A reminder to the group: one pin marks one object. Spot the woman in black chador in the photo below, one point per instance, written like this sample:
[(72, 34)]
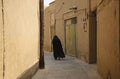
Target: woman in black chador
[(57, 48)]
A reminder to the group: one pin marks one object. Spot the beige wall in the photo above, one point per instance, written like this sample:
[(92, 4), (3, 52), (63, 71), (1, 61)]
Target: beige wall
[(1, 42), (63, 12), (47, 32), (48, 22), (21, 36), (93, 4), (108, 39)]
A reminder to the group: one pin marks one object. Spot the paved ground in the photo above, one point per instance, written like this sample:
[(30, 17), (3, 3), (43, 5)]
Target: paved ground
[(68, 68)]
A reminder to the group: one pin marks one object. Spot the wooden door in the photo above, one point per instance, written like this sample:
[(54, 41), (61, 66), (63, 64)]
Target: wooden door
[(70, 37)]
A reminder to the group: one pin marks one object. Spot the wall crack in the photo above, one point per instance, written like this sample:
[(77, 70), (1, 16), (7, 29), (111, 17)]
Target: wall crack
[(3, 39)]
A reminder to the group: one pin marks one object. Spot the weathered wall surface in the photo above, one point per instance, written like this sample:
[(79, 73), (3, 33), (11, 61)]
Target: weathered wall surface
[(21, 36), (108, 20), (47, 33), (1, 42), (93, 4), (49, 23), (63, 12)]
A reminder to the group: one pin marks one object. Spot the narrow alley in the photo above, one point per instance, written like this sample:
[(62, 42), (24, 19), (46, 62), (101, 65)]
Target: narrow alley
[(68, 68), (88, 32)]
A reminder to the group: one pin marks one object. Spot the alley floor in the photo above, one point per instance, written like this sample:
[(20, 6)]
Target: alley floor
[(67, 68)]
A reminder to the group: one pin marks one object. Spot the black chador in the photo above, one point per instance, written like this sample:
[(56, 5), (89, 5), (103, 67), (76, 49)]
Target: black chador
[(57, 48)]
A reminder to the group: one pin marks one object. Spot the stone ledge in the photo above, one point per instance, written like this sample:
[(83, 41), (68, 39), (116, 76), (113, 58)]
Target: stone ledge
[(29, 72)]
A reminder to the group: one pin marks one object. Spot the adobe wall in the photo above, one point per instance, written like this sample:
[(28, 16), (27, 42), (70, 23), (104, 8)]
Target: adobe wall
[(108, 57), (49, 22), (21, 36), (63, 12), (1, 41)]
